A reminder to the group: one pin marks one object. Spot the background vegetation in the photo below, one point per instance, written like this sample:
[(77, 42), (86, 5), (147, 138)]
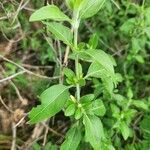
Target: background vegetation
[(31, 61)]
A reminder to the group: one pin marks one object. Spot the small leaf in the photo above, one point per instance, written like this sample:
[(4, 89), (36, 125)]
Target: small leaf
[(52, 101), (49, 146), (87, 98), (93, 42), (93, 131), (115, 110), (124, 130), (73, 138), (49, 12), (140, 104), (128, 27), (70, 110), (130, 93), (36, 146), (61, 32), (140, 59), (69, 73), (90, 8), (136, 47), (78, 114)]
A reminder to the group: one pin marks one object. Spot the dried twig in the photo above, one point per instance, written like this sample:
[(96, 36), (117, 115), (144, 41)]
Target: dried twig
[(20, 121), (52, 130), (7, 108), (36, 67), (14, 130), (24, 70), (12, 76)]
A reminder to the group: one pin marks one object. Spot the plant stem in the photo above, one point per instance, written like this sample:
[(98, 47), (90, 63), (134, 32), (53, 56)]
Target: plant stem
[(77, 85), (75, 29)]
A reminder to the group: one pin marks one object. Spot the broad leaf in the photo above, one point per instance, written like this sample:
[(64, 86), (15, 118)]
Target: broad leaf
[(93, 131), (49, 12), (61, 32), (73, 138), (96, 70), (140, 104), (98, 107), (52, 101), (102, 59), (124, 130), (90, 8)]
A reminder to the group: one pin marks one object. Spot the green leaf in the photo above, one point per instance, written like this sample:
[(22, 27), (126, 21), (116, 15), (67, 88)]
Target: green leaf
[(50, 146), (140, 104), (87, 98), (140, 59), (124, 130), (49, 12), (115, 110), (108, 79), (73, 138), (145, 127), (93, 131), (90, 8), (128, 27), (136, 47), (98, 107), (96, 70), (147, 16), (61, 32), (69, 73), (78, 114), (102, 59), (36, 146), (93, 42), (52, 101), (108, 85), (70, 3), (70, 110)]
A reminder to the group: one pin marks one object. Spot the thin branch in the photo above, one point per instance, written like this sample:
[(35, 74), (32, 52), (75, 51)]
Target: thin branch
[(36, 67), (3, 103), (13, 147), (14, 86), (24, 70), (17, 12), (20, 121), (12, 76), (17, 91), (52, 130)]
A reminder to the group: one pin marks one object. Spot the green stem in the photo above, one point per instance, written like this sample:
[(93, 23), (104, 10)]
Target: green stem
[(77, 85), (75, 28)]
